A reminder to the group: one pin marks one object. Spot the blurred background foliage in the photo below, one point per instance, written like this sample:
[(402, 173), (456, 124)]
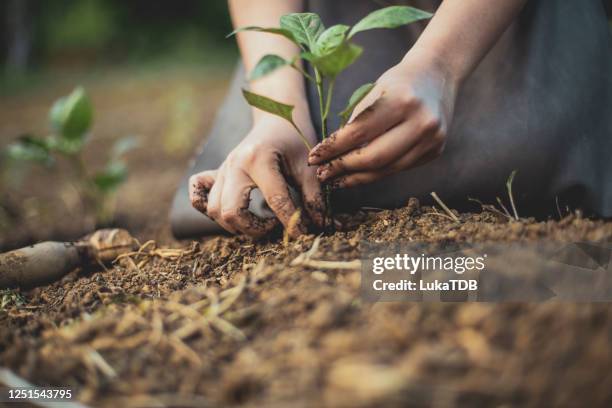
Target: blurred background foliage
[(156, 71), (66, 34)]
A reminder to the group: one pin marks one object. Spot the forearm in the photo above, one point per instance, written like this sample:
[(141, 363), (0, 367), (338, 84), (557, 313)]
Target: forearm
[(286, 85), (462, 32)]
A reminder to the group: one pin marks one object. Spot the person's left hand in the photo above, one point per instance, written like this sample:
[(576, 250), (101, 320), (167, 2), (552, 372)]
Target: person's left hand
[(401, 124)]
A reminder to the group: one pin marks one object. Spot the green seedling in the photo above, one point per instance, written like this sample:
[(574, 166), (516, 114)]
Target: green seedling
[(71, 119), (510, 195), (328, 52)]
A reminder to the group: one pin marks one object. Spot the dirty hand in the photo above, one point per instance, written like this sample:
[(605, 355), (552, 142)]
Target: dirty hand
[(270, 155), (401, 124)]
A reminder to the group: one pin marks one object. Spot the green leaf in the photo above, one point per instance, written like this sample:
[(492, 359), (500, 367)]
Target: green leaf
[(271, 30), (34, 141), (357, 97), (333, 63), (29, 148), (331, 39), (275, 108), (65, 146), (266, 65), (308, 56), (389, 17), (71, 116), (305, 27), (269, 105), (109, 180)]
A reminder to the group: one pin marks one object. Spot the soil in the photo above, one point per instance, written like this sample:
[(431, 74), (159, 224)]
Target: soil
[(230, 321)]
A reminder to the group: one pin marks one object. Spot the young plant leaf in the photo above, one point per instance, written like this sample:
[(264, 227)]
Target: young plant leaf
[(29, 148), (389, 17), (113, 175), (333, 63), (65, 146), (510, 195), (269, 105), (357, 97), (305, 27), (330, 39), (271, 30), (71, 116), (275, 108), (268, 64)]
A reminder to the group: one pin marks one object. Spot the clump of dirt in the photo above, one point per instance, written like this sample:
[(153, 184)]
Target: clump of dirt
[(230, 321)]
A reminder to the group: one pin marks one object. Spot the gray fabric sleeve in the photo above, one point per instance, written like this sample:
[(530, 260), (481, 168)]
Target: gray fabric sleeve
[(232, 123)]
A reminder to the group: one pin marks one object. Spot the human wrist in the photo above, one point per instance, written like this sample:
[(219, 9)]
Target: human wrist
[(285, 91), (286, 87), (277, 125), (301, 116), (436, 64)]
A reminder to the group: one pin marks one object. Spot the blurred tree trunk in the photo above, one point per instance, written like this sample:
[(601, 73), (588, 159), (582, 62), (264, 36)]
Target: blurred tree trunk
[(18, 35)]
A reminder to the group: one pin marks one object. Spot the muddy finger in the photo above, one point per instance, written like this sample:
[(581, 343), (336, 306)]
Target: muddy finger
[(200, 185)]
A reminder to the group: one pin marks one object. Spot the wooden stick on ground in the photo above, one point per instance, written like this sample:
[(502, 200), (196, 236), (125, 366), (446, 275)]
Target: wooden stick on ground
[(444, 207), (49, 261)]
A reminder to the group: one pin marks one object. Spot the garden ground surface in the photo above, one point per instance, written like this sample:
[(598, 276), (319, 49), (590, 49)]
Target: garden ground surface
[(229, 321)]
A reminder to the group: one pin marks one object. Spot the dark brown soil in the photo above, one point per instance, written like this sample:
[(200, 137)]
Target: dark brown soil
[(233, 322)]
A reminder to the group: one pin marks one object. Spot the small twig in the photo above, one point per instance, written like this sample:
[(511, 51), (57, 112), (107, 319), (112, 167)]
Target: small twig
[(308, 254), (229, 296), (265, 251), (184, 350), (132, 264), (503, 207), (99, 362), (158, 328), (558, 207), (329, 265), (304, 259), (227, 328), (314, 248), (372, 209), (509, 188), (490, 208), (444, 207)]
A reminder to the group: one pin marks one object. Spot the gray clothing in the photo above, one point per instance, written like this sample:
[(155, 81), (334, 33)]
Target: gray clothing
[(539, 103)]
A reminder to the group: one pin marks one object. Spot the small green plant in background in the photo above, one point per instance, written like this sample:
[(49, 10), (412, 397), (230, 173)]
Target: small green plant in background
[(329, 52), (71, 118)]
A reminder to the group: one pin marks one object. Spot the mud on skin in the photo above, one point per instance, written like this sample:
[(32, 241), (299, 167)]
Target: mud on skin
[(201, 198), (261, 226), (324, 147)]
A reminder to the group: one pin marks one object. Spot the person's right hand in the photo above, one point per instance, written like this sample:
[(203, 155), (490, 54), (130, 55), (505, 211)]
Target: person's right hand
[(271, 157)]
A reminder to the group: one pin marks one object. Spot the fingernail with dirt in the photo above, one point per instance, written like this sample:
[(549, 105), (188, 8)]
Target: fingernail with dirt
[(313, 157), (337, 183), (323, 172)]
